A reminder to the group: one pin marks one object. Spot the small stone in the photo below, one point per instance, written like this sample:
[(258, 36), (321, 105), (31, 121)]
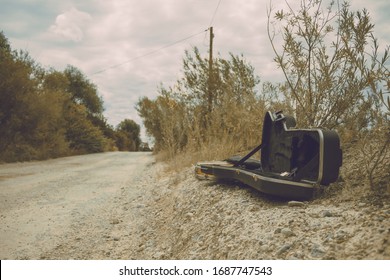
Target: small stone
[(284, 249), (317, 251), (159, 255), (264, 248), (278, 230), (341, 236), (115, 221), (298, 255), (141, 247), (287, 232), (329, 238), (189, 215), (381, 218), (327, 213), (116, 238), (294, 203)]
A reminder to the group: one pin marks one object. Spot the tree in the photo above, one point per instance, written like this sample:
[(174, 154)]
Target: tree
[(21, 120), (82, 135), (331, 65), (128, 135), (81, 110), (46, 113), (82, 91)]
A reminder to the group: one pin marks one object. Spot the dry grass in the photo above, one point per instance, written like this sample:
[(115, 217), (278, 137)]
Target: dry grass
[(365, 171)]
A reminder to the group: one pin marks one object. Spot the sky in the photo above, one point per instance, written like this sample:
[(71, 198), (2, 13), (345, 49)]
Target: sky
[(128, 48)]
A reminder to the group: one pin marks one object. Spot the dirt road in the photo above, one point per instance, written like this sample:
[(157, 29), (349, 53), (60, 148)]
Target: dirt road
[(49, 205)]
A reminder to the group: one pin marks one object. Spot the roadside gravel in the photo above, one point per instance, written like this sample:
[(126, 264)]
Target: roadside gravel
[(191, 219)]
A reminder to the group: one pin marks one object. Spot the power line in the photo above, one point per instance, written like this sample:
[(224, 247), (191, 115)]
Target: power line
[(215, 12), (149, 53)]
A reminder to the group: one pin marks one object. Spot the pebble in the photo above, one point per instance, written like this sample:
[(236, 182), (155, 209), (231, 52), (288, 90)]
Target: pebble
[(264, 248), (317, 251), (327, 213), (284, 249), (287, 232), (341, 236), (159, 255), (294, 203), (189, 215), (381, 218)]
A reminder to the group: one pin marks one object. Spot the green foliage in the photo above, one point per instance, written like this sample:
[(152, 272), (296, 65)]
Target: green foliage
[(82, 91), (21, 120), (82, 135), (128, 135)]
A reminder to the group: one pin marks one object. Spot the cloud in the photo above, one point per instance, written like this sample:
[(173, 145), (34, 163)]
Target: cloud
[(70, 24)]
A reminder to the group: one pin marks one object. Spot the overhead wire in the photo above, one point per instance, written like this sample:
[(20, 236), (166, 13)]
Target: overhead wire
[(212, 20), (215, 12), (149, 53), (163, 47)]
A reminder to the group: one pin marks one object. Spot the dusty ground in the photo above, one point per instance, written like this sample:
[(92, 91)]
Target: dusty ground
[(68, 208), (123, 206)]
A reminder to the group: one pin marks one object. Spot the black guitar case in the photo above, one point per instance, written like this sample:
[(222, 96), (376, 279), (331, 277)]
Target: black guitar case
[(293, 162)]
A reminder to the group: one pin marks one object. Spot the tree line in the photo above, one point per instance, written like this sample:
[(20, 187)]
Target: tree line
[(335, 77), (45, 113)]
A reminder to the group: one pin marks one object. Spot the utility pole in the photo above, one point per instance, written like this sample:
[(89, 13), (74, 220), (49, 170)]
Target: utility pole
[(210, 82)]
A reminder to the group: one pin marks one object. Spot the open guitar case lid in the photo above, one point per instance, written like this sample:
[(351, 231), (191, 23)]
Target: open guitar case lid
[(293, 162)]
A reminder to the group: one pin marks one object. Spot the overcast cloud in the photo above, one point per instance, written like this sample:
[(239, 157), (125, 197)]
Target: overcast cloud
[(96, 35)]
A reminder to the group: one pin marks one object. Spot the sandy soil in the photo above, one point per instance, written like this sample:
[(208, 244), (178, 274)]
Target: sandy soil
[(124, 206)]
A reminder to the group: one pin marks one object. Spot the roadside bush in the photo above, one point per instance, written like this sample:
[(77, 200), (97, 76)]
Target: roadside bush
[(184, 120)]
